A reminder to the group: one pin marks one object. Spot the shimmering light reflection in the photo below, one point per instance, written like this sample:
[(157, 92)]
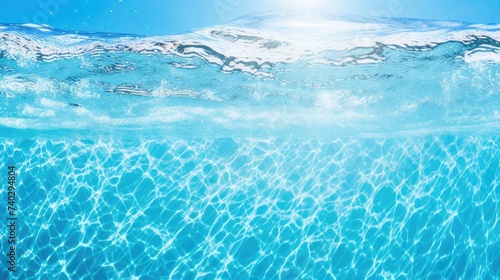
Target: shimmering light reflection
[(409, 208), (306, 6)]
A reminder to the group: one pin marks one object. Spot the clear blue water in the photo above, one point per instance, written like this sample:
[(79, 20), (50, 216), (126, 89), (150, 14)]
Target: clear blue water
[(405, 208), (268, 148)]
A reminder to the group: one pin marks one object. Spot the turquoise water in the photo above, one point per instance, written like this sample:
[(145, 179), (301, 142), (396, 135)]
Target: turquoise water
[(406, 208), (255, 150)]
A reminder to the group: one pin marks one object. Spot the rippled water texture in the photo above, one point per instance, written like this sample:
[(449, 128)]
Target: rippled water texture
[(268, 148), (260, 209)]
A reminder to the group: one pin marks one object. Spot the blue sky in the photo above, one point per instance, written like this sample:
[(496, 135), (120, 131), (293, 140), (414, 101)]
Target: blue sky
[(158, 17)]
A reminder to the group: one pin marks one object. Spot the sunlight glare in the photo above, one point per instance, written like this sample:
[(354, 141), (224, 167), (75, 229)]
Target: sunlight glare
[(308, 6)]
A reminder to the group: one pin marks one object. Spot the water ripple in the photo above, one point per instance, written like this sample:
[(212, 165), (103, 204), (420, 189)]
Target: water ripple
[(410, 208)]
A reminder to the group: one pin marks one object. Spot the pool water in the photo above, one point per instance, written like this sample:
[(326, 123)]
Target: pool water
[(417, 208), (255, 150)]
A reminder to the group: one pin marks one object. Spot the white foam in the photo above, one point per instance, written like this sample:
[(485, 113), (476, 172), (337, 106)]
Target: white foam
[(476, 57), (37, 112)]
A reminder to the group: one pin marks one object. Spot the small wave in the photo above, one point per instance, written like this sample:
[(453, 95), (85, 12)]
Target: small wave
[(238, 48), (260, 73)]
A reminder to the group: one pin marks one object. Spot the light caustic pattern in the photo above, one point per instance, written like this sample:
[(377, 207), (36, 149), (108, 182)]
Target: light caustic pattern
[(408, 208)]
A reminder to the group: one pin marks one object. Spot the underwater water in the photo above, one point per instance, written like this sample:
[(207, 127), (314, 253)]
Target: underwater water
[(268, 148)]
